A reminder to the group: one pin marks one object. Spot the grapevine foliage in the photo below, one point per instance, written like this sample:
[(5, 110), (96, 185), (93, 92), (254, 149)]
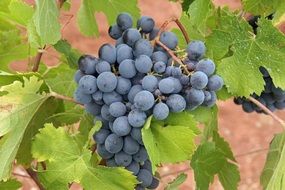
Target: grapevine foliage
[(41, 123)]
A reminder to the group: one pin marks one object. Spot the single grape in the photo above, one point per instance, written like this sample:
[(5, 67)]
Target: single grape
[(150, 83), (166, 86), (215, 83), (207, 66), (137, 135), (247, 107), (103, 66), (136, 118), (153, 33), (176, 72), (134, 167), (82, 98), (117, 109), (141, 155), (123, 85), (131, 36), (101, 135), (111, 162), (111, 97), (143, 64), (114, 143), (195, 97), (121, 126), (87, 84), (146, 24), (144, 100), (108, 53), (115, 31), (127, 68), (159, 67), (147, 165), (133, 92), (160, 111), (207, 96), (212, 101), (97, 96), (105, 113), (168, 71), (145, 177), (196, 50), (93, 108), (143, 47), (124, 21), (177, 85), (124, 52), (123, 159), (78, 75), (176, 103), (199, 80), (107, 82), (87, 64), (105, 154), (130, 145), (154, 184), (159, 56), (184, 80), (169, 39)]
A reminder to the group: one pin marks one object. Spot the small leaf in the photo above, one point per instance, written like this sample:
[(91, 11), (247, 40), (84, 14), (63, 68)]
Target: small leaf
[(223, 146), (11, 184), (229, 176), (186, 4), (173, 185)]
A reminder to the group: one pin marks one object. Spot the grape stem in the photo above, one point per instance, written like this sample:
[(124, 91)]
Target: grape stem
[(174, 57), (179, 24), (66, 98), (34, 176), (266, 110), (37, 60)]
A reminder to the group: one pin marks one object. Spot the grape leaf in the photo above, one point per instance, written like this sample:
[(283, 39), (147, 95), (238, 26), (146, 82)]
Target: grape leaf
[(19, 106), (20, 12), (46, 21), (185, 5), (85, 16), (70, 54), (229, 176), (173, 185), (11, 184), (68, 162), (223, 146), (249, 52), (156, 135), (272, 176)]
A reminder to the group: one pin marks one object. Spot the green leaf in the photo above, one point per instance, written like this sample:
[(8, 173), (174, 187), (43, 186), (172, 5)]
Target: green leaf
[(186, 4), (173, 185), (19, 106), (11, 184), (247, 53), (272, 176), (68, 162), (85, 16), (223, 146), (70, 54), (229, 176), (20, 12), (46, 21), (156, 135)]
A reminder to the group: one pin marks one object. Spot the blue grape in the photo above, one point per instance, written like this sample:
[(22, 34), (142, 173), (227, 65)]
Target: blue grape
[(184, 80), (168, 71), (137, 135), (207, 66), (87, 84), (115, 31), (176, 103), (130, 145), (131, 36), (159, 56), (103, 66), (87, 64), (159, 67), (101, 135), (119, 41), (147, 165), (78, 75), (143, 47), (146, 24), (145, 177), (111, 97), (176, 72), (166, 86), (107, 82), (137, 79), (108, 53), (103, 152), (264, 72), (160, 111), (121, 126), (134, 167), (141, 155), (150, 83), (154, 184), (117, 109), (123, 159), (97, 96), (207, 96), (124, 21), (215, 83), (196, 50), (247, 107), (199, 80), (279, 105), (143, 64), (123, 86), (114, 143), (195, 97), (111, 162), (82, 98), (93, 108), (124, 52), (133, 92), (105, 113), (212, 100), (153, 34), (144, 100), (169, 39), (127, 68), (136, 118)]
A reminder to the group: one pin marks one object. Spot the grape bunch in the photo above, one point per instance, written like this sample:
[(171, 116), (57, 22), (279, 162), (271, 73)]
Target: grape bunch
[(135, 79), (272, 97)]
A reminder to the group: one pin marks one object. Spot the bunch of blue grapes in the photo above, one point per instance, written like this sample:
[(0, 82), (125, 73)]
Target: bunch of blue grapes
[(272, 97), (134, 79)]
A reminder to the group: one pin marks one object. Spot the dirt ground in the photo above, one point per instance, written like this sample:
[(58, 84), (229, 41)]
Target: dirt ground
[(246, 133)]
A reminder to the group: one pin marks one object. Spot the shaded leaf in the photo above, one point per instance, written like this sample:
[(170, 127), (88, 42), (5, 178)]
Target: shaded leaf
[(11, 184)]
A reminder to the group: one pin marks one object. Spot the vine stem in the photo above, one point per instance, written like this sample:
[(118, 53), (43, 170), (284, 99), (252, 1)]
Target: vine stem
[(34, 176), (37, 60), (66, 98), (179, 24), (266, 110), (175, 58)]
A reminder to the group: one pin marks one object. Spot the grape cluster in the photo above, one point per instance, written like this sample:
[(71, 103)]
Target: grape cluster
[(272, 97), (135, 79)]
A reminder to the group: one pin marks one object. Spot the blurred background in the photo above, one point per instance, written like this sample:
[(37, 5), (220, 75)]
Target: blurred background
[(249, 135)]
